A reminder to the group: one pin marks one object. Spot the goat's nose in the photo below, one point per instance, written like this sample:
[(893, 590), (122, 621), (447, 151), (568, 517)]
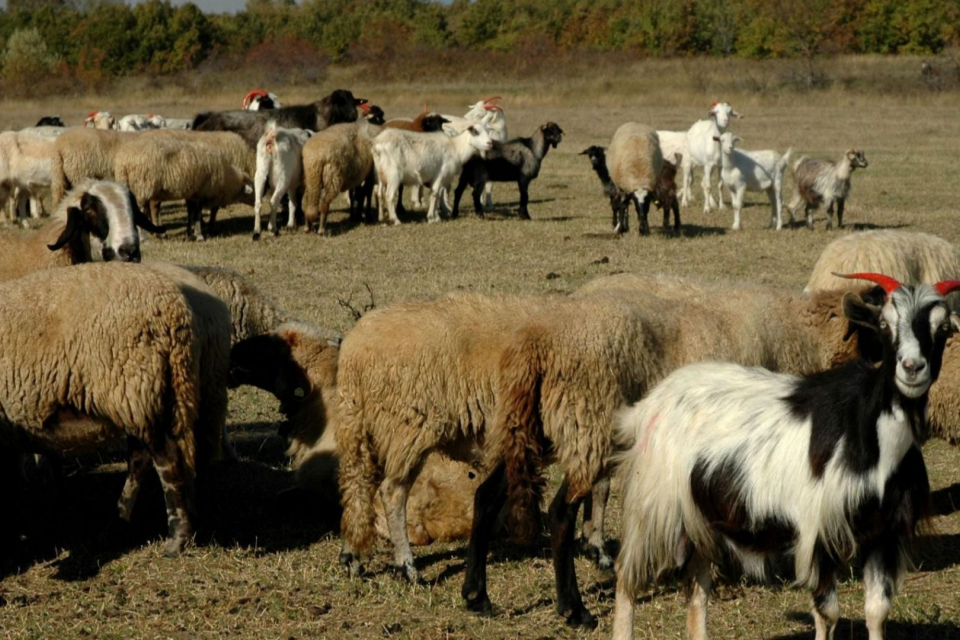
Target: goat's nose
[(129, 252), (913, 366)]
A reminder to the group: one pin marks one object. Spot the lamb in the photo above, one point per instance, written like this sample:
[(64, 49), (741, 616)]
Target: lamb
[(94, 213), (665, 191), (60, 391), (279, 166), (423, 159), (298, 364), (517, 161), (741, 171), (634, 162), (100, 120), (335, 160), (710, 466), (702, 151), (619, 199), (821, 182), (170, 168), (339, 106)]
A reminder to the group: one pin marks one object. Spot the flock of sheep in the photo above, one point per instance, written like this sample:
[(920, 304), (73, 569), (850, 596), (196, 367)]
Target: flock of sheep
[(428, 420)]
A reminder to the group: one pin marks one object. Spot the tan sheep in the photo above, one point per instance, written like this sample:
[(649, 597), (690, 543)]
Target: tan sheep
[(634, 161), (298, 364), (61, 391), (335, 160), (83, 154)]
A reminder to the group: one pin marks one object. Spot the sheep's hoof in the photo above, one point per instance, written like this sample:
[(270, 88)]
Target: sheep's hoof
[(408, 572), (256, 235), (580, 617), (479, 603), (524, 215), (598, 555), (352, 563)]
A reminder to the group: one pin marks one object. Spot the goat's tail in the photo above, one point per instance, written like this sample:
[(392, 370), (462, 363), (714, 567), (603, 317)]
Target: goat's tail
[(359, 476), (519, 428), (270, 137), (797, 163)]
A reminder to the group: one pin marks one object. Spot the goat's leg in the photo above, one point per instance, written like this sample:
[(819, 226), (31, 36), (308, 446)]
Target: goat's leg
[(676, 213), (881, 572), (488, 196), (138, 460), (433, 210), (394, 494), (390, 199), (275, 203), (840, 202), (699, 582), (458, 195), (487, 503), (775, 222), (524, 198), (563, 520), (707, 184), (720, 204), (476, 192), (177, 481), (809, 210), (686, 185), (594, 509), (826, 606)]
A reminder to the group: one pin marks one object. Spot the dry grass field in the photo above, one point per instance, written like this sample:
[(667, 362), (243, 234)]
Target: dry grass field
[(267, 567)]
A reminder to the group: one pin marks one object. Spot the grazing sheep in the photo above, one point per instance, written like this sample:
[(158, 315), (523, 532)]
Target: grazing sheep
[(423, 159), (619, 199), (335, 160), (711, 466), (61, 391), (634, 162), (701, 150), (93, 214), (743, 171), (339, 106), (100, 120), (279, 166), (26, 168), (517, 161), (298, 364), (172, 168), (821, 182)]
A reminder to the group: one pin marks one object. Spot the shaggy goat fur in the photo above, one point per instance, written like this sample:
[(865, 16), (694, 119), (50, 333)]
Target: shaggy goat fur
[(821, 182)]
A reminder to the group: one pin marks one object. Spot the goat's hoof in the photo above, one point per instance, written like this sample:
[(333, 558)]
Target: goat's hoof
[(256, 235), (174, 546), (580, 617), (408, 572), (479, 603)]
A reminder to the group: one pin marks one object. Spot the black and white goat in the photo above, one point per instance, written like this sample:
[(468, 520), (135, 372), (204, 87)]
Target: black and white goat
[(728, 458)]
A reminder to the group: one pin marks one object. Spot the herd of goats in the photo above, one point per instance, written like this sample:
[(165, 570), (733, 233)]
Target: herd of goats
[(308, 155), (742, 422)]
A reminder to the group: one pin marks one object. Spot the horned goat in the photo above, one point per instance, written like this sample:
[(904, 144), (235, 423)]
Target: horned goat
[(821, 182)]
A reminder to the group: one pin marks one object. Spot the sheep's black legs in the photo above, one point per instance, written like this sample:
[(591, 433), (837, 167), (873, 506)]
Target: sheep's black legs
[(487, 502), (840, 213), (524, 198), (676, 213), (643, 210), (563, 518), (880, 573)]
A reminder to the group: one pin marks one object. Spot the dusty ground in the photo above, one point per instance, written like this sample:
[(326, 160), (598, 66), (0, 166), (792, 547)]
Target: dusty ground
[(265, 566)]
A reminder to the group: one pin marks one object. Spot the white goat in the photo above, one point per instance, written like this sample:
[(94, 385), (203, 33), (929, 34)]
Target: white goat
[(26, 169), (423, 159), (743, 171), (722, 459), (140, 122), (100, 120), (824, 182), (279, 166), (672, 143), (490, 113), (702, 150)]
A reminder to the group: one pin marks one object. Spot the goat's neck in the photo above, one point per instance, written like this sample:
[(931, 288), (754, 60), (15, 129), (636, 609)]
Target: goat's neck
[(464, 150), (538, 144), (844, 168)]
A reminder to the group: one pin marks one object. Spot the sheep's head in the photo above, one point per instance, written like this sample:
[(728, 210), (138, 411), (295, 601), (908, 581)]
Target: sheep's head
[(721, 112), (912, 324), (857, 159), (552, 133), (597, 155)]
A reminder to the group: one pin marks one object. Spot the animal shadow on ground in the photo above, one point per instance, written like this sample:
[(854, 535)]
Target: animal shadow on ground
[(248, 503), (894, 629), (937, 552), (947, 500)]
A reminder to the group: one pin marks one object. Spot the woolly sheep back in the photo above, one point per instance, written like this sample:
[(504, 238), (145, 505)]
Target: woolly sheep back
[(634, 158)]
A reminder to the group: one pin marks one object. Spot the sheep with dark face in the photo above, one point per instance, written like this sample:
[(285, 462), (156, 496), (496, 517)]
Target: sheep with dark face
[(711, 465), (339, 106), (517, 161)]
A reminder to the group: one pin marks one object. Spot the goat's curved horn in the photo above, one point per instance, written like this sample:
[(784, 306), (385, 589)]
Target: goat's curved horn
[(946, 286), (256, 93), (889, 284), (491, 99)]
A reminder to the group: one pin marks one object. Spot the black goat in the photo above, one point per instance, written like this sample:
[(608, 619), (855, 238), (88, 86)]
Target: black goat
[(50, 121)]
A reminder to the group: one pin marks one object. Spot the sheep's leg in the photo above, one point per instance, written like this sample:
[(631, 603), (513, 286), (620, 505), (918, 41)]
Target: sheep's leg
[(809, 210), (594, 509), (153, 206), (324, 211), (880, 575), (524, 198), (826, 606), (676, 213), (563, 521), (394, 497), (477, 204), (487, 503), (213, 220), (177, 482), (138, 460), (194, 229), (641, 200), (840, 202), (699, 582)]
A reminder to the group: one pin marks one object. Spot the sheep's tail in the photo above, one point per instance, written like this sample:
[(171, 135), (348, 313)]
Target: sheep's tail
[(654, 528), (183, 394), (520, 429), (359, 476), (59, 183), (270, 137)]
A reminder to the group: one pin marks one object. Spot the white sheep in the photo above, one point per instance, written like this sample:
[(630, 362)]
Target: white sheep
[(279, 167), (742, 171), (703, 151), (423, 159), (62, 391), (821, 182)]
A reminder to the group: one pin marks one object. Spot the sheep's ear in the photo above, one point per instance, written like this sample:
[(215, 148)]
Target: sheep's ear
[(140, 218), (861, 313), (70, 230)]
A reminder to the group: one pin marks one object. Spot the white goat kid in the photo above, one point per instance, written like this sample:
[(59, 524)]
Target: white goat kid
[(279, 167), (702, 150), (432, 160), (742, 171), (490, 113)]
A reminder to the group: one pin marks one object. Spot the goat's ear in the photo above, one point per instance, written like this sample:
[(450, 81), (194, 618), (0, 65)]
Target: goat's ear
[(473, 131), (70, 230), (737, 139), (736, 114), (955, 322), (859, 312), (716, 138)]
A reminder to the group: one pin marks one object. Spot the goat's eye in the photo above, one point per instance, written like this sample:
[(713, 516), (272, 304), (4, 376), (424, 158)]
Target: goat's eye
[(945, 326), (883, 324)]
